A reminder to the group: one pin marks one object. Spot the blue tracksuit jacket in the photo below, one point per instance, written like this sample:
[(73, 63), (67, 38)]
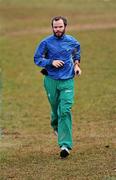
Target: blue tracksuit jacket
[(66, 48)]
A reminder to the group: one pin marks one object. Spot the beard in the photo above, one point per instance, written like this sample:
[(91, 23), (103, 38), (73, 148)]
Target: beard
[(59, 34)]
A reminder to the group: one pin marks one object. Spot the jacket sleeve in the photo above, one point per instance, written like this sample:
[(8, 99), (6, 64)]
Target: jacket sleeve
[(76, 53), (40, 55)]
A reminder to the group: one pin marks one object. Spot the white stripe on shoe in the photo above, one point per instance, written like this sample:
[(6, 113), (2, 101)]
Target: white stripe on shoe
[(55, 132), (64, 152), (65, 148)]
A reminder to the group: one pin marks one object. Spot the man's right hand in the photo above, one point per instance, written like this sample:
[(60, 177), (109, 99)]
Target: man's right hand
[(57, 63)]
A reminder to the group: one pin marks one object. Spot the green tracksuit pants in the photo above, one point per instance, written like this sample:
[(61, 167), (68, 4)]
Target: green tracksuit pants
[(60, 94)]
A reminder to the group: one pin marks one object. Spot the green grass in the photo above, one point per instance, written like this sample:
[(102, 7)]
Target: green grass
[(28, 148)]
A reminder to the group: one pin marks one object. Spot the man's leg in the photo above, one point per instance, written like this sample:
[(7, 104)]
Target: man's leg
[(64, 118), (52, 94)]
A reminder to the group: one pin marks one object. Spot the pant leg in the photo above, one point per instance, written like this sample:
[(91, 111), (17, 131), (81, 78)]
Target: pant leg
[(52, 94), (64, 115)]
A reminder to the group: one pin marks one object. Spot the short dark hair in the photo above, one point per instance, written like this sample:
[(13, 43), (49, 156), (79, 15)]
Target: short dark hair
[(58, 18)]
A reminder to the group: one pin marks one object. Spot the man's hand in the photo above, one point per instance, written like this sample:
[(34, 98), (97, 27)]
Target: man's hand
[(77, 70), (57, 63)]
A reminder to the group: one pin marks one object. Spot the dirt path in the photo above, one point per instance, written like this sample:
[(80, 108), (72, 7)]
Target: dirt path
[(81, 27)]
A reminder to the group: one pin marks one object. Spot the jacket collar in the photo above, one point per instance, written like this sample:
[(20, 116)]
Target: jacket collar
[(62, 37)]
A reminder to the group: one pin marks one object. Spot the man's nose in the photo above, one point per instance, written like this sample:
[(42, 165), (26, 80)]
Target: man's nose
[(58, 28)]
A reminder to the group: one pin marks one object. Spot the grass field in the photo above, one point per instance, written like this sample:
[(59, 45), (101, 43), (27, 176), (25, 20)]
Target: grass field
[(28, 147)]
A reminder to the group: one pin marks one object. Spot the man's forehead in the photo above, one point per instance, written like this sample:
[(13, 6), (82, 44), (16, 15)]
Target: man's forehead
[(58, 22)]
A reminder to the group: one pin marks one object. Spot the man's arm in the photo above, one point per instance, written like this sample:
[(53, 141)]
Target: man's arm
[(76, 59), (40, 55)]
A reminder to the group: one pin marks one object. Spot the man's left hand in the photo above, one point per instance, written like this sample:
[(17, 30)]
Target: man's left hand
[(77, 70)]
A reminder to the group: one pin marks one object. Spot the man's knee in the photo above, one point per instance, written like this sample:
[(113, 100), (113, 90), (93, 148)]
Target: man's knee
[(64, 111)]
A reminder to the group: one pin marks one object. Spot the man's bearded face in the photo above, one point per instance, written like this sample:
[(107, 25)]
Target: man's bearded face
[(58, 28)]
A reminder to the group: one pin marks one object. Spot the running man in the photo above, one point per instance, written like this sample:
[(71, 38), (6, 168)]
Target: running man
[(59, 56)]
